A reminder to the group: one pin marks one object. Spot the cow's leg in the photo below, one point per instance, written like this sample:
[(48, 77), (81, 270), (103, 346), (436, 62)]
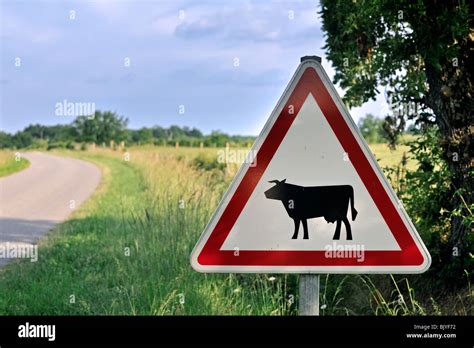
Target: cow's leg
[(337, 234), (305, 228), (297, 227), (348, 228)]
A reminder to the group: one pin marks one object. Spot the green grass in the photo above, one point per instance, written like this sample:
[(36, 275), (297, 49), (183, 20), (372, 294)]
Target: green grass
[(86, 257), (387, 157), (9, 164)]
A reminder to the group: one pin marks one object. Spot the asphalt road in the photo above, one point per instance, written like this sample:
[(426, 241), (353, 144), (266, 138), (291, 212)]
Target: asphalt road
[(36, 199)]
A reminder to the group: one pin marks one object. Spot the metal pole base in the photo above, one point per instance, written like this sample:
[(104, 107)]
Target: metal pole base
[(309, 294)]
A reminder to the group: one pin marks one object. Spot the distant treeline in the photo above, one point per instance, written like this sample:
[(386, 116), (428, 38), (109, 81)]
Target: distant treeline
[(106, 126)]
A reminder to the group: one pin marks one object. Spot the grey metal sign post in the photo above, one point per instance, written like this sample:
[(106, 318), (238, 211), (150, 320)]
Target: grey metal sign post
[(309, 294)]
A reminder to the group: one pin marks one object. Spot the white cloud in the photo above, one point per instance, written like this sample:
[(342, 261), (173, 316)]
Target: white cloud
[(173, 59), (17, 28)]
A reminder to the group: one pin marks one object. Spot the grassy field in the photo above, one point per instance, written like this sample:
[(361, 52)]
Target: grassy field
[(387, 157), (10, 164), (126, 251)]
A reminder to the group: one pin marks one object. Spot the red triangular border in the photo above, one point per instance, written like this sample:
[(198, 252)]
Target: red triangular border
[(310, 82)]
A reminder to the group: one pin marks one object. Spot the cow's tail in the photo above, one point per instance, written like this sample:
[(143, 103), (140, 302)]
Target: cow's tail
[(353, 210)]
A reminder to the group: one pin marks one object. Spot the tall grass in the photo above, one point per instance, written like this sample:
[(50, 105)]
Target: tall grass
[(397, 303), (180, 200), (11, 163), (127, 250)]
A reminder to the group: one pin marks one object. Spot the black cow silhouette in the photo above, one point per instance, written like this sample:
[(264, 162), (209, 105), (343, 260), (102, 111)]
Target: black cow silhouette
[(302, 203)]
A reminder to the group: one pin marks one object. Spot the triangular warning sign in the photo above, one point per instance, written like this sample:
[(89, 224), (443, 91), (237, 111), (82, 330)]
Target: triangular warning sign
[(312, 199)]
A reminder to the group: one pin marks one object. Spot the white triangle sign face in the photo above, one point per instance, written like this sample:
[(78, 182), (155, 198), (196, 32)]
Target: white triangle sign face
[(313, 199)]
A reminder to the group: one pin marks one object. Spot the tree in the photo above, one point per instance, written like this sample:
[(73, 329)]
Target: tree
[(174, 132), (51, 133), (22, 140), (371, 128), (194, 133), (145, 135), (420, 52), (159, 132), (5, 140), (36, 130), (217, 138), (101, 128)]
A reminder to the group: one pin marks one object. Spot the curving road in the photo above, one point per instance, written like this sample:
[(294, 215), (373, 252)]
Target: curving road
[(34, 200)]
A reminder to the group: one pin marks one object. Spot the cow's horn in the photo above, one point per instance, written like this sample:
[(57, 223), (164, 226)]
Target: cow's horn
[(274, 182)]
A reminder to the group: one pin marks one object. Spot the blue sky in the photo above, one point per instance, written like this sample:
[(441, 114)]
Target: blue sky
[(180, 53)]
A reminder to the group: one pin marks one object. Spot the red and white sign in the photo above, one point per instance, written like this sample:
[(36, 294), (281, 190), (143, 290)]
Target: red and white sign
[(313, 199)]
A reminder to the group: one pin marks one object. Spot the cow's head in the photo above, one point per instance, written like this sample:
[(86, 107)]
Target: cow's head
[(278, 191)]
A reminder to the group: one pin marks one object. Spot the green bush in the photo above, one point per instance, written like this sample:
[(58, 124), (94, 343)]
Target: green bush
[(427, 194), (58, 145), (207, 163)]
